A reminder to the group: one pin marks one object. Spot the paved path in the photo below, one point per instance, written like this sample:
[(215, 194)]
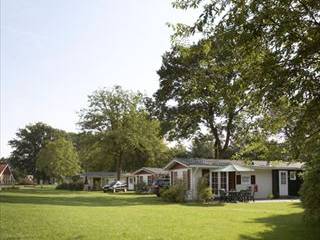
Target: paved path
[(276, 200)]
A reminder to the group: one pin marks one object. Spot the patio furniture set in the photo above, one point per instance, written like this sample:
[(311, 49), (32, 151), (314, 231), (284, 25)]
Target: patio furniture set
[(236, 196)]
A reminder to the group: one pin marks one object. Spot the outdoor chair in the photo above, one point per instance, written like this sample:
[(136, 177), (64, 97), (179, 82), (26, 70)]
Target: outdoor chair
[(251, 197), (242, 196), (223, 196), (246, 195)]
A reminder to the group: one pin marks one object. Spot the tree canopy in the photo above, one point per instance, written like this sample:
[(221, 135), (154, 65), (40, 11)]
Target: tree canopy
[(278, 44), (58, 159), (27, 145), (278, 49), (128, 136)]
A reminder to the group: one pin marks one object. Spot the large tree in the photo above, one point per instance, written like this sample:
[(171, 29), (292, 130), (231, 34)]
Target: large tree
[(202, 90), (125, 131), (279, 47), (27, 144), (58, 159)]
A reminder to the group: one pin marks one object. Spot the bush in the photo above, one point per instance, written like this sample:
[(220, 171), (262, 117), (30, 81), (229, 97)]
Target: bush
[(204, 191), (73, 186), (310, 191), (141, 187), (270, 196), (175, 193)]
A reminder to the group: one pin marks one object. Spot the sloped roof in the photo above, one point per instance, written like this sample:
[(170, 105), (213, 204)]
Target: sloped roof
[(234, 168), (152, 170), (218, 163), (3, 166)]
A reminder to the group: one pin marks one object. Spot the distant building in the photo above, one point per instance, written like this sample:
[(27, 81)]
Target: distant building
[(149, 174), (96, 180), (6, 176)]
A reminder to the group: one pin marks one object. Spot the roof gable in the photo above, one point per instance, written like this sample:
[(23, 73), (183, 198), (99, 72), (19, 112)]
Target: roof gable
[(4, 168), (150, 170), (142, 171), (218, 163)]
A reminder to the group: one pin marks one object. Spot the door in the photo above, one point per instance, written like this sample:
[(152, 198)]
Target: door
[(214, 182), (232, 181), (283, 183)]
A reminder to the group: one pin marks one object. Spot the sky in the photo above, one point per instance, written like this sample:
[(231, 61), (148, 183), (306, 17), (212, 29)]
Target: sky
[(55, 53)]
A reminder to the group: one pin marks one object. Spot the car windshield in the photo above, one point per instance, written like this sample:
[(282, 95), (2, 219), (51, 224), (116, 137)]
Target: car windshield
[(113, 183)]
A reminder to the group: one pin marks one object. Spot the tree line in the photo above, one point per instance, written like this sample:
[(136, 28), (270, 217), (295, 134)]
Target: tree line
[(241, 82)]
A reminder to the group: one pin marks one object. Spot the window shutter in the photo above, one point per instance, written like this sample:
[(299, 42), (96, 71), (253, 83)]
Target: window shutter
[(238, 179), (189, 179), (171, 178)]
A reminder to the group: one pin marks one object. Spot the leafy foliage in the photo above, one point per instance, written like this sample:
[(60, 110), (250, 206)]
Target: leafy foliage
[(58, 159), (310, 191), (175, 193), (278, 47), (127, 137), (201, 90), (141, 187), (202, 147), (27, 145), (204, 191)]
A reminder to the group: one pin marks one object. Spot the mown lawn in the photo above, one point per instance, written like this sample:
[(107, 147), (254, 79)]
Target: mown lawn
[(51, 214)]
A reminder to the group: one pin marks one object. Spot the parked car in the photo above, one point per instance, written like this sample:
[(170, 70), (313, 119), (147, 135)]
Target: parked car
[(159, 184), (115, 187)]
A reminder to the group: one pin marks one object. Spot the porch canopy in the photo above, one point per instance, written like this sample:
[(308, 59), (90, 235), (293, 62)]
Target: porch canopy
[(233, 168)]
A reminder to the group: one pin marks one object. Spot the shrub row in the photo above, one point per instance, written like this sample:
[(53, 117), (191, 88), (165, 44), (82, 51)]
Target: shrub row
[(141, 188)]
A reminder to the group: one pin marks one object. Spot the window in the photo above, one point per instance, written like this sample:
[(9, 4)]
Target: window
[(130, 180), (215, 182), (283, 178), (223, 180), (253, 179), (150, 180), (293, 175), (238, 179), (185, 178), (245, 180), (174, 177)]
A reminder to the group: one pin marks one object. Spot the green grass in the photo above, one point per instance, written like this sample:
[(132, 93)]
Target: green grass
[(51, 214)]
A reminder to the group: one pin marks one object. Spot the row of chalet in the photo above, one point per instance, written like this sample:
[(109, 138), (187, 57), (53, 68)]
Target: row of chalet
[(281, 179), (148, 175)]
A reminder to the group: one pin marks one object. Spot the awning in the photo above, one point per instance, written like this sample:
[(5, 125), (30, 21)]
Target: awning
[(234, 168)]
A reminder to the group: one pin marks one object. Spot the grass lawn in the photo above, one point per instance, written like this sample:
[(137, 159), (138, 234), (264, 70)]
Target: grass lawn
[(52, 214)]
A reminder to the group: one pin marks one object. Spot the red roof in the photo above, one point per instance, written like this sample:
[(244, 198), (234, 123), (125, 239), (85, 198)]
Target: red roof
[(3, 167)]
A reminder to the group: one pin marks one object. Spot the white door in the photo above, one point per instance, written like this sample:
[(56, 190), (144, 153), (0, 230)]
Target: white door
[(283, 183)]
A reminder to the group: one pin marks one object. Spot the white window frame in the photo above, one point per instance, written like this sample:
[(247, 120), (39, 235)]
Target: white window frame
[(293, 175), (248, 178)]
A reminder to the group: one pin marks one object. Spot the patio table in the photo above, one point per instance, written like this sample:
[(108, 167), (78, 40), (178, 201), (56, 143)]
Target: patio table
[(233, 196)]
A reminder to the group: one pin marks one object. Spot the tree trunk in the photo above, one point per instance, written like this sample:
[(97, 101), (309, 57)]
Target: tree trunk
[(216, 151), (119, 165), (217, 142)]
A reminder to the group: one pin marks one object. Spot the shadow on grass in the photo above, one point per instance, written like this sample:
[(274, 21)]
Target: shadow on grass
[(79, 198), (284, 227), (69, 198)]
